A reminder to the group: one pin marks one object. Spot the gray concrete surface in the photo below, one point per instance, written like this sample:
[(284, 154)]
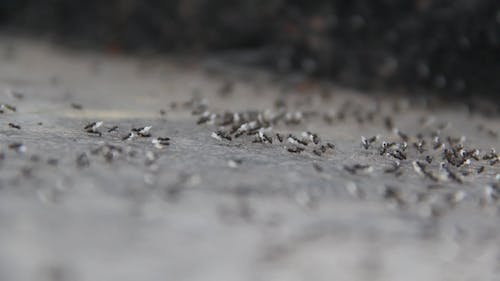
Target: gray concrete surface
[(208, 209)]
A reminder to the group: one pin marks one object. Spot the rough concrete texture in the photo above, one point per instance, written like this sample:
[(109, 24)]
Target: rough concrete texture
[(208, 209)]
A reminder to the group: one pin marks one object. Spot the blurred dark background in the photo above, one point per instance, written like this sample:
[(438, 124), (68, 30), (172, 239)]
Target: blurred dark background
[(450, 47)]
